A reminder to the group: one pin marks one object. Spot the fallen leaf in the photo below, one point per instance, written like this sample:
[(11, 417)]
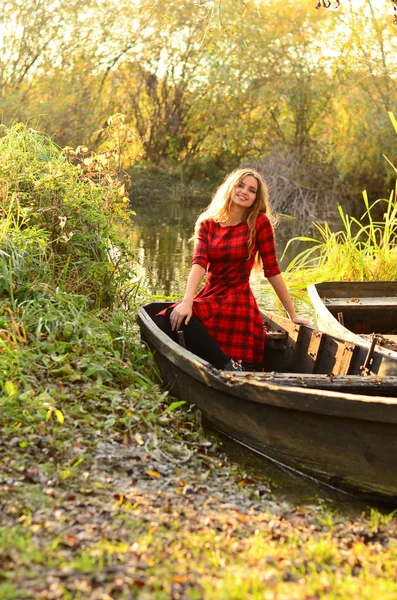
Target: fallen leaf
[(181, 579), (153, 473), (243, 518), (139, 439)]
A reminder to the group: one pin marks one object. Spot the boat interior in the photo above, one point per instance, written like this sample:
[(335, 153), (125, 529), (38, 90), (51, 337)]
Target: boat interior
[(363, 308), (292, 348)]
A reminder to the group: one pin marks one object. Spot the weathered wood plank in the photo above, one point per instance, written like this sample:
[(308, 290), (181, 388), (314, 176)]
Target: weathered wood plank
[(349, 289), (343, 359), (361, 302)]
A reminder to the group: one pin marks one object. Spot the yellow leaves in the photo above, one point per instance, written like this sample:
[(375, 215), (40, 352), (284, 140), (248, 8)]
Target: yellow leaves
[(243, 518), (182, 488), (245, 481), (10, 389), (52, 411), (57, 413), (151, 473), (361, 550), (181, 579)]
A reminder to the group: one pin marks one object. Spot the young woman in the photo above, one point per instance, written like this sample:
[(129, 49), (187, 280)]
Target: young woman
[(222, 323)]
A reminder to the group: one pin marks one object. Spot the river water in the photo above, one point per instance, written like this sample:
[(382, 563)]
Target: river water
[(160, 235)]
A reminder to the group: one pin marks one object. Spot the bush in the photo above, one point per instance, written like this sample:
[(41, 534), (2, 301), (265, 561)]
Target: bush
[(60, 211)]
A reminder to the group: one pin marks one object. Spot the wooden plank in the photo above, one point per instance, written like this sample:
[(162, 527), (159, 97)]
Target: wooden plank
[(292, 347), (330, 355), (181, 338), (343, 359), (308, 361), (346, 289), (352, 384), (372, 302)]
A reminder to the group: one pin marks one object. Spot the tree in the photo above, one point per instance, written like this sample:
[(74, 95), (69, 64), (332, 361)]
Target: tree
[(215, 82)]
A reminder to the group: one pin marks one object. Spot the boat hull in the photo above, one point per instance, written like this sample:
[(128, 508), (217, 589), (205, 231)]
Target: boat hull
[(346, 440)]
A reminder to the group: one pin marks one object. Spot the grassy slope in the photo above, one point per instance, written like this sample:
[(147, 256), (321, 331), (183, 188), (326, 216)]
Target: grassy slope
[(109, 490)]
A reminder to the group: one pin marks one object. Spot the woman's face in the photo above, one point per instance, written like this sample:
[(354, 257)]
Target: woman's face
[(244, 193)]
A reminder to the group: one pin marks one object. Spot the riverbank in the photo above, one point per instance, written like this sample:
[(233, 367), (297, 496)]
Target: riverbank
[(128, 498), (110, 488)]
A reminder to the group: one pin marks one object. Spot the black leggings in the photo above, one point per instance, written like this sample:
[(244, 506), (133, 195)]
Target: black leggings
[(197, 339)]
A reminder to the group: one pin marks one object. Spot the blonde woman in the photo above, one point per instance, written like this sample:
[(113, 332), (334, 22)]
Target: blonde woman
[(222, 323)]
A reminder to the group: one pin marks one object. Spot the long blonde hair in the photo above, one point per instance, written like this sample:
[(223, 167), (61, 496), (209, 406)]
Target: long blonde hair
[(219, 208)]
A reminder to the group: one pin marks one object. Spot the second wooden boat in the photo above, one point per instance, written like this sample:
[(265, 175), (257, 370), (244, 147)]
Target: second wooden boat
[(360, 312)]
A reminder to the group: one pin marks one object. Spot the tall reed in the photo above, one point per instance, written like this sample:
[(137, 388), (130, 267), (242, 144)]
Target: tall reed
[(365, 249)]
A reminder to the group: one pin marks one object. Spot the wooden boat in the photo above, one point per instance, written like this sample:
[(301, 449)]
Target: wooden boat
[(310, 407), (357, 311)]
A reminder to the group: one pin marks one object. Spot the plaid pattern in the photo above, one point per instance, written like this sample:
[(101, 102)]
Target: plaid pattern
[(226, 304)]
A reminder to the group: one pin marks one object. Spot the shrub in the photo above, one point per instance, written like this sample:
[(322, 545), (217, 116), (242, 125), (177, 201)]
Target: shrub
[(61, 209)]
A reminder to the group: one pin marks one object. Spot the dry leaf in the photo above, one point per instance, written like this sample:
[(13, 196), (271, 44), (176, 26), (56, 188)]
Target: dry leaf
[(153, 473), (181, 579), (139, 439), (243, 518)]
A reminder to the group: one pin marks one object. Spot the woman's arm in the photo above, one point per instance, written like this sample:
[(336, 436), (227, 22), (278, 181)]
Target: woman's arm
[(278, 284), (184, 309)]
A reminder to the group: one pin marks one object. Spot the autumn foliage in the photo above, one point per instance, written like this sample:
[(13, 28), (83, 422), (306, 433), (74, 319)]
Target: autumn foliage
[(213, 83)]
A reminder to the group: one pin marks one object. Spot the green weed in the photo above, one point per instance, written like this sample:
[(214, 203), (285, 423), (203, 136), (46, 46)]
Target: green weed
[(365, 249)]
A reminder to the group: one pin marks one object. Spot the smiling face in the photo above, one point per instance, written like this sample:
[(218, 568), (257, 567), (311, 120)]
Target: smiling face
[(244, 193)]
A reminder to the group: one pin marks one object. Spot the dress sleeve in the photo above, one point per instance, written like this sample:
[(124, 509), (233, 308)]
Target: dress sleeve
[(266, 246), (200, 254)]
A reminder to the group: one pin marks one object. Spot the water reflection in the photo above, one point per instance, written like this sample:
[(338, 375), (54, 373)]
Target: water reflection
[(290, 487), (161, 234)]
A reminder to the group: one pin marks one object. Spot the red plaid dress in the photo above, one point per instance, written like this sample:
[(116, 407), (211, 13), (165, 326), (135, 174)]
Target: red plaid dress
[(226, 304)]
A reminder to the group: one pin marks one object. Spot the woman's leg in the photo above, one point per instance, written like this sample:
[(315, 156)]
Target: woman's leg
[(197, 340)]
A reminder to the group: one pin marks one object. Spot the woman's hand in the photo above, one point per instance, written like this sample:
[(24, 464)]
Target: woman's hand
[(300, 321), (182, 312), (278, 284)]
